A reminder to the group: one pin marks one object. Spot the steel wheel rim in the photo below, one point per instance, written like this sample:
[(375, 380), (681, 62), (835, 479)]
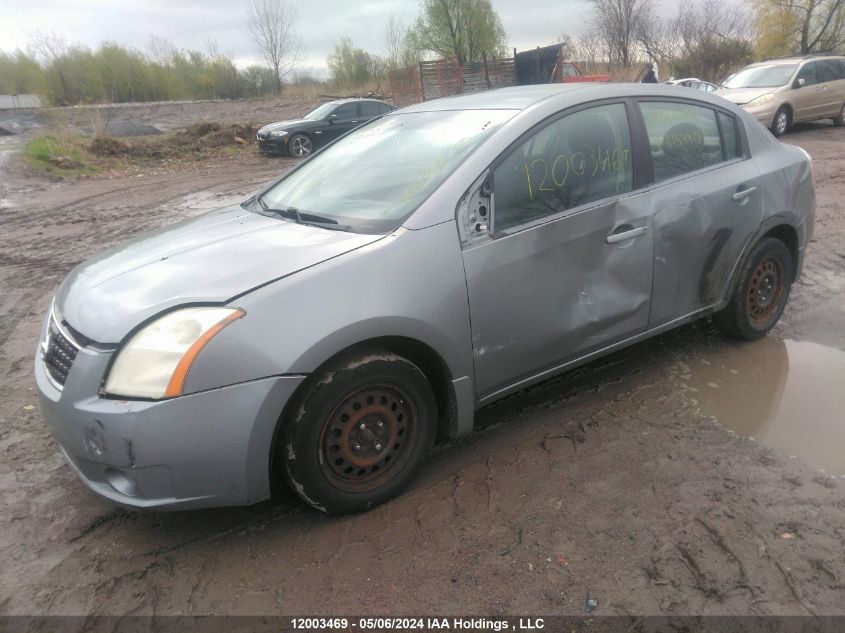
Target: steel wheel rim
[(369, 437), (781, 122), (765, 291), (300, 146)]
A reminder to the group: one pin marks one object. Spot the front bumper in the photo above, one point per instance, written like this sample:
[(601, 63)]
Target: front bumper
[(764, 114), (273, 145), (201, 450)]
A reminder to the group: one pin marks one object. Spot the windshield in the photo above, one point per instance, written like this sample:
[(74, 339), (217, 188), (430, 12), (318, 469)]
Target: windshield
[(320, 112), (762, 76), (372, 179)]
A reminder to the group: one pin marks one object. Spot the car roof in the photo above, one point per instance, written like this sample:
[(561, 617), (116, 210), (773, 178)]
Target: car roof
[(354, 99), (524, 97), (794, 60)]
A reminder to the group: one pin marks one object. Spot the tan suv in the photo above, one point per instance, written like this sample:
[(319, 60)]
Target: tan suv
[(781, 92)]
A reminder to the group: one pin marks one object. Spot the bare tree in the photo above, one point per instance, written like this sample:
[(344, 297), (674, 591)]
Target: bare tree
[(160, 49), (714, 38), (272, 26), (591, 47), (801, 26), (394, 35), (619, 21), (52, 48)]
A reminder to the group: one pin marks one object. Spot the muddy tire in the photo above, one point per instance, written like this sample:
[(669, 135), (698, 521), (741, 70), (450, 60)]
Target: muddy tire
[(359, 433), (300, 146), (782, 122), (839, 121), (761, 293)]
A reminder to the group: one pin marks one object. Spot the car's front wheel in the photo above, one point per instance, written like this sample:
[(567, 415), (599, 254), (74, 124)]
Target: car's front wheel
[(839, 121), (780, 124), (359, 433), (300, 146), (761, 293)]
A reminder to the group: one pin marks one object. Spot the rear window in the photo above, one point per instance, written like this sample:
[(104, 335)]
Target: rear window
[(682, 137), (369, 109), (832, 70), (730, 138)]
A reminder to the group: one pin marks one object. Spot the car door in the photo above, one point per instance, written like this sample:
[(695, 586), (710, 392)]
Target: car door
[(807, 99), (340, 121), (707, 204), (368, 110), (831, 87), (566, 267)]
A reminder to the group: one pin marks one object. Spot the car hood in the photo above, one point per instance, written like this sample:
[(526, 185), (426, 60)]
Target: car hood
[(211, 258), (283, 125), (741, 96)]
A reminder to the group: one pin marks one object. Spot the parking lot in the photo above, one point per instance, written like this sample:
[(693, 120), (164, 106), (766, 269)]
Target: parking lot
[(630, 480)]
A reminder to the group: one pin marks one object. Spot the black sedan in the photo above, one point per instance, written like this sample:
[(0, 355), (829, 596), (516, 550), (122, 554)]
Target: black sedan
[(325, 123)]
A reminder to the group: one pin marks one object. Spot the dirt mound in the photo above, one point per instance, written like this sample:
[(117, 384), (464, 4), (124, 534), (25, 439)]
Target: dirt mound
[(215, 134), (195, 139), (108, 146), (198, 130)]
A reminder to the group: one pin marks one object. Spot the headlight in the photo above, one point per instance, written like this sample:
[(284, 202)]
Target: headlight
[(278, 133), (759, 101), (156, 360)]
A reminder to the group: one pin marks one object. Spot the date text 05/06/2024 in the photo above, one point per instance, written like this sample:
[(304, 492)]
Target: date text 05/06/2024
[(418, 624)]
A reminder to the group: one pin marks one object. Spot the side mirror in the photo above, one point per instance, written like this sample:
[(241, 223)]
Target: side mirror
[(331, 118), (800, 82)]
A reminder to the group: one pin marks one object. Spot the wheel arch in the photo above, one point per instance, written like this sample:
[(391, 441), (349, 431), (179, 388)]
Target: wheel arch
[(429, 361), (781, 227)]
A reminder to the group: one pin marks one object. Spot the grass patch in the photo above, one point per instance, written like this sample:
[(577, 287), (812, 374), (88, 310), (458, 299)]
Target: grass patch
[(65, 157)]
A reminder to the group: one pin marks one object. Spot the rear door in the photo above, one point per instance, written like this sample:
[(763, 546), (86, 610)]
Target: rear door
[(567, 268), (368, 110), (832, 85), (707, 202), (808, 101)]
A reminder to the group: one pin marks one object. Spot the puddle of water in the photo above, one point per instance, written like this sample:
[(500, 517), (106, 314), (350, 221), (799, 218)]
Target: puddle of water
[(789, 395)]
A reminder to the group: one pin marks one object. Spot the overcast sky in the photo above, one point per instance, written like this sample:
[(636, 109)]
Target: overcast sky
[(190, 23)]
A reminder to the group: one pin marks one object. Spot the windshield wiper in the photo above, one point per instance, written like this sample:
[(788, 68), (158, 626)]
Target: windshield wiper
[(309, 219)]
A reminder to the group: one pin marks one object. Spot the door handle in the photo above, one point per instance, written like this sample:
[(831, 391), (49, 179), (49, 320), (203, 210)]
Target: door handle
[(613, 238), (739, 196)]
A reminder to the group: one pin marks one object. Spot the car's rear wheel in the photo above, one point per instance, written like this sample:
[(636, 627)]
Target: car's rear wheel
[(839, 121), (781, 122), (359, 434), (300, 146), (761, 294)]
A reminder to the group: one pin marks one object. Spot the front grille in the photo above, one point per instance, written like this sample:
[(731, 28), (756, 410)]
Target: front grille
[(58, 352)]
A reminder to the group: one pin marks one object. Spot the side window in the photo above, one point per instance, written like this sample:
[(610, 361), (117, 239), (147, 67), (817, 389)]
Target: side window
[(840, 63), (829, 70), (383, 108), (808, 74), (730, 137), (345, 112), (582, 157), (368, 109), (682, 138)]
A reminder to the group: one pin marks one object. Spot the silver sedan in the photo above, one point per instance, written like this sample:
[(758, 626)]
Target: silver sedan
[(324, 333)]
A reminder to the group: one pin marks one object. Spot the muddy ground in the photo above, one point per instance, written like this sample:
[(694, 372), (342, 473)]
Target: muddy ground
[(621, 480)]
